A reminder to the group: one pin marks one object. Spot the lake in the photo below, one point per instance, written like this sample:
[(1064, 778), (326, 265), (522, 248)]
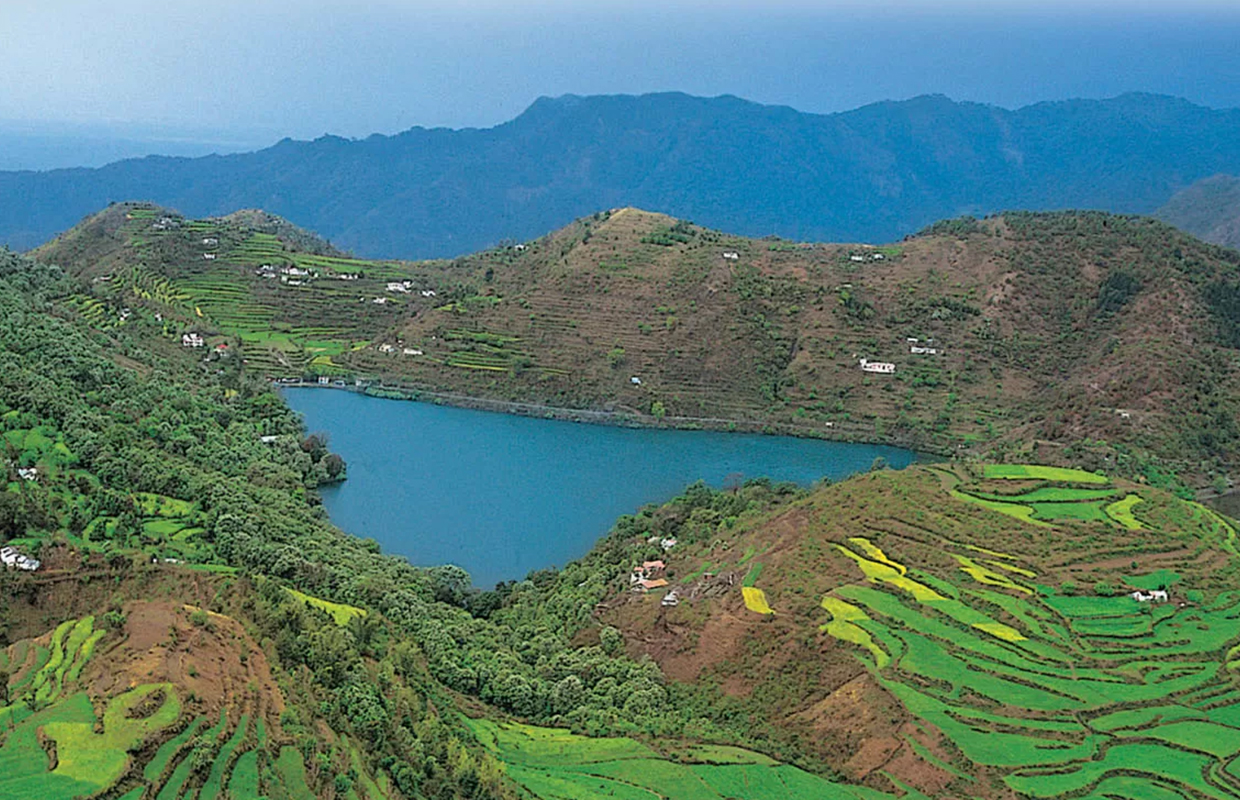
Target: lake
[(501, 495)]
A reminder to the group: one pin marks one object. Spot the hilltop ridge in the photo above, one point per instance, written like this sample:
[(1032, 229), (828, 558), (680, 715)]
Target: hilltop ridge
[(1059, 328)]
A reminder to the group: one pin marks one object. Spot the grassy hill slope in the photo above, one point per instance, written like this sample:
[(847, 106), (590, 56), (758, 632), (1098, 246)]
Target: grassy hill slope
[(1057, 328)]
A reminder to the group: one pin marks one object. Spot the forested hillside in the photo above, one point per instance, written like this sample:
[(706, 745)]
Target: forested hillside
[(873, 174), (193, 600)]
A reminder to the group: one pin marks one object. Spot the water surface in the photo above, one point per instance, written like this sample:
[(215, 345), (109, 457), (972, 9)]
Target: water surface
[(501, 495)]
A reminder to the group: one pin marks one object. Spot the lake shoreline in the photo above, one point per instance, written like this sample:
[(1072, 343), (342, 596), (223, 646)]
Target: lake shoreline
[(843, 432), (502, 495)]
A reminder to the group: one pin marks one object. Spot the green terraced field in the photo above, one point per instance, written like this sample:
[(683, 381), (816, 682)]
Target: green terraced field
[(1066, 696), (552, 764)]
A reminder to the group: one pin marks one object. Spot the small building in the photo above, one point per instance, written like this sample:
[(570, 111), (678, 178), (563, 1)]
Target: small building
[(209, 256), (380, 301), (1156, 596), (324, 380), (268, 439), (919, 350), (210, 241), (878, 367), (856, 258), (636, 381), (668, 543), (520, 248), (651, 567), (387, 348), (15, 560), (646, 584), (28, 473), (670, 599), (428, 292), (192, 340), (396, 286), (412, 351), (731, 255)]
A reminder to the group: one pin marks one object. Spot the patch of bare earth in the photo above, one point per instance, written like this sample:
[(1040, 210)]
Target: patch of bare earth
[(214, 661)]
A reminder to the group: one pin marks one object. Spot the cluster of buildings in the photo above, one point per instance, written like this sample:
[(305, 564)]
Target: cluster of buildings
[(920, 348), (645, 577), (15, 560), (193, 340), (858, 258), (163, 223)]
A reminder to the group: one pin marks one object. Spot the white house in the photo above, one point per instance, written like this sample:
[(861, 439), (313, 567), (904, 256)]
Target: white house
[(918, 350), (268, 439), (668, 543), (670, 599), (11, 558), (856, 258), (380, 301), (192, 340), (412, 351), (880, 367), (209, 256), (397, 286), (28, 473), (731, 255), (636, 381), (428, 292), (210, 241), (387, 348), (1157, 596), (324, 380)]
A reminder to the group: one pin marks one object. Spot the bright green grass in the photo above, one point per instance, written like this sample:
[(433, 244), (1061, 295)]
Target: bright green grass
[(552, 764), (1021, 512), (215, 780), (292, 772), (158, 505), (1153, 580), (1042, 473), (338, 611), (1050, 494), (751, 577), (156, 766), (1134, 625), (1083, 512), (1121, 512), (1156, 761), (243, 782)]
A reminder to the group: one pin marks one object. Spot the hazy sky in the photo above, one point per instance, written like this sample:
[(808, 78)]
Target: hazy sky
[(258, 70)]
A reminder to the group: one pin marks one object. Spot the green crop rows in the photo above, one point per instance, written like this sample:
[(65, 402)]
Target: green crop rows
[(1065, 696), (553, 764)]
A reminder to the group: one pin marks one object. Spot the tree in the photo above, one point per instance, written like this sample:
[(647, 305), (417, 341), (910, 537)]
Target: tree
[(658, 410)]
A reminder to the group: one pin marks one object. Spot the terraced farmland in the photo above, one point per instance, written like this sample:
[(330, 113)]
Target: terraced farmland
[(553, 764), (1064, 692), (50, 711)]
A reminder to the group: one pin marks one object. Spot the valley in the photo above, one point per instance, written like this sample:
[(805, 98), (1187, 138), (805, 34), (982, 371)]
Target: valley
[(1046, 613)]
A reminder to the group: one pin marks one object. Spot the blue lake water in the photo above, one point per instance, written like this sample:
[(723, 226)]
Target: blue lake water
[(501, 495)]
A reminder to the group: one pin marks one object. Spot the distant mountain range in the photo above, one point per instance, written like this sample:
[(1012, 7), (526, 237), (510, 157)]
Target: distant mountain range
[(1209, 209), (873, 174)]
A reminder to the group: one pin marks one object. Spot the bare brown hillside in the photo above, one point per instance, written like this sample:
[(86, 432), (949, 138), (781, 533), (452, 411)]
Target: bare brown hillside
[(1066, 329)]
